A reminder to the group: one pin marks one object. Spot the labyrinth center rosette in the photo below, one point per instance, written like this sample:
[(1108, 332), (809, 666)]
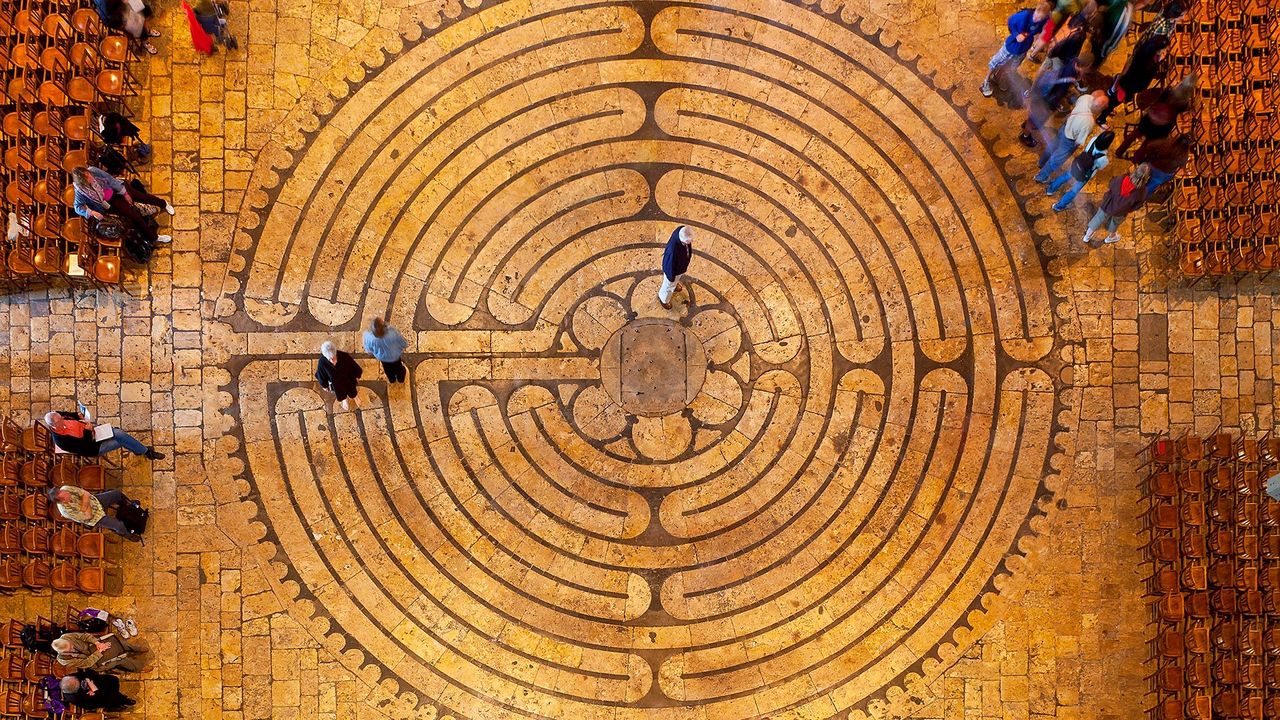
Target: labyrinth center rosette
[(866, 325)]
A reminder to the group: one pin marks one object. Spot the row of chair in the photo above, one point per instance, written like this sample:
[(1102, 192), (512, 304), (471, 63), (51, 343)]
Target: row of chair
[(23, 671), (1213, 539), (1225, 204), (59, 67)]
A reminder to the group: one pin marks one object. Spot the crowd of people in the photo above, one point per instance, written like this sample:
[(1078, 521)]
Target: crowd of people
[(93, 646), (1071, 40)]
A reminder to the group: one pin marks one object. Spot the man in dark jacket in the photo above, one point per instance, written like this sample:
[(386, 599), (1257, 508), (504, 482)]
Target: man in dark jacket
[(93, 690), (1024, 25), (1166, 157), (1126, 194), (675, 263)]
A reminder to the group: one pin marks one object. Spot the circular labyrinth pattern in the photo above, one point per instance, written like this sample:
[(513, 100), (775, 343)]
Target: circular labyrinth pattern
[(806, 530)]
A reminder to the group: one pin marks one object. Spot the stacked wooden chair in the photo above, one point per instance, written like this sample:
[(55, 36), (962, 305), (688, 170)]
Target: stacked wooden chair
[(1225, 201), (1213, 540), (39, 549), (60, 67)]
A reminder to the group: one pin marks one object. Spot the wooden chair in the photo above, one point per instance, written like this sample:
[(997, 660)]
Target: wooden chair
[(65, 542), (92, 477), (35, 507), (35, 473), (92, 546), (92, 580), (36, 575), (37, 439), (10, 504), (10, 539), (13, 667), (11, 471), (35, 541), (38, 667), (63, 578)]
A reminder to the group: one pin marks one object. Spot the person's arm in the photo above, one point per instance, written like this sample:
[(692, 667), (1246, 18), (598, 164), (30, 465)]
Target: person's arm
[(85, 503), (401, 342), (322, 374), (83, 210)]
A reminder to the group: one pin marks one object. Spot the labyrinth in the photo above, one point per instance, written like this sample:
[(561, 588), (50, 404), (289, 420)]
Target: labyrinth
[(789, 496)]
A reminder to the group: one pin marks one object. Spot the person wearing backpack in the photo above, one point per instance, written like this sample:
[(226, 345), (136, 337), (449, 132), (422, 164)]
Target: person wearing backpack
[(1082, 169)]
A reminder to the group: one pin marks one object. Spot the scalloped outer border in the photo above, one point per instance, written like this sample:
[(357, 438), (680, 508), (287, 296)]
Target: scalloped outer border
[(911, 690)]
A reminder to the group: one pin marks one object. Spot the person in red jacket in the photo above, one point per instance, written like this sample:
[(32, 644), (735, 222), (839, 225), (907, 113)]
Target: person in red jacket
[(1126, 194)]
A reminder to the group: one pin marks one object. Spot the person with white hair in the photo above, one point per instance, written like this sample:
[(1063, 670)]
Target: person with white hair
[(81, 506), (675, 263), (104, 653), (339, 373), (92, 690), (74, 434)]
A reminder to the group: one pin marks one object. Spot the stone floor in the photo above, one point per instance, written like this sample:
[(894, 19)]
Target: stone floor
[(887, 473)]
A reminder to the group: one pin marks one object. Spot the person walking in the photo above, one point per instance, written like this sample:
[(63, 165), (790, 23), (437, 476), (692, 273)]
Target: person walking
[(1075, 130), (338, 373), (1082, 169), (1126, 194), (75, 435), (1024, 26), (103, 653), (1159, 115), (386, 345), (92, 690), (1146, 64), (675, 262), (81, 506), (1166, 157)]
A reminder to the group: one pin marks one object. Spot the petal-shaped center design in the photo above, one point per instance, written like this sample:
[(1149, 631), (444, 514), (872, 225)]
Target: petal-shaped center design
[(653, 367)]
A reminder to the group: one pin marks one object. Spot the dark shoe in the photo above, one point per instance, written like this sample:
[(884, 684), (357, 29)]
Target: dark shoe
[(1027, 140), (152, 454), (666, 305)]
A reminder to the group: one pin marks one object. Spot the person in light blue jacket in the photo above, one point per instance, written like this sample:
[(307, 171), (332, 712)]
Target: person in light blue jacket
[(386, 345), (98, 194)]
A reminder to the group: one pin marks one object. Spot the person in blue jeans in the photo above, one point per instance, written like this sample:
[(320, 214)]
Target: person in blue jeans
[(73, 435), (1075, 130), (1024, 26), (81, 506), (1087, 164), (1166, 156)]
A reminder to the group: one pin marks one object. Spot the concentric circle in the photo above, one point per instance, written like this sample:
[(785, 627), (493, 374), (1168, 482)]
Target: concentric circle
[(509, 536)]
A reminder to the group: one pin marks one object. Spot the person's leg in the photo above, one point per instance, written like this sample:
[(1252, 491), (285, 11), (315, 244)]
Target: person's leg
[(1060, 154), (668, 287), (122, 207), (106, 446), (1095, 222), (997, 61), (1069, 195), (1129, 137), (127, 441), (1050, 146), (1113, 228), (117, 527), (140, 194), (389, 368), (401, 371), (111, 498), (1056, 184)]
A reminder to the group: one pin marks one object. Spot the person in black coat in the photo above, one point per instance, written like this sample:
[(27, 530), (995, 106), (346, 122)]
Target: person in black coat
[(1146, 64), (338, 373), (675, 262), (93, 690)]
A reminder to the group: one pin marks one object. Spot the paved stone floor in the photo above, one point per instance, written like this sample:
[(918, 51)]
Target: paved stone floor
[(887, 471)]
